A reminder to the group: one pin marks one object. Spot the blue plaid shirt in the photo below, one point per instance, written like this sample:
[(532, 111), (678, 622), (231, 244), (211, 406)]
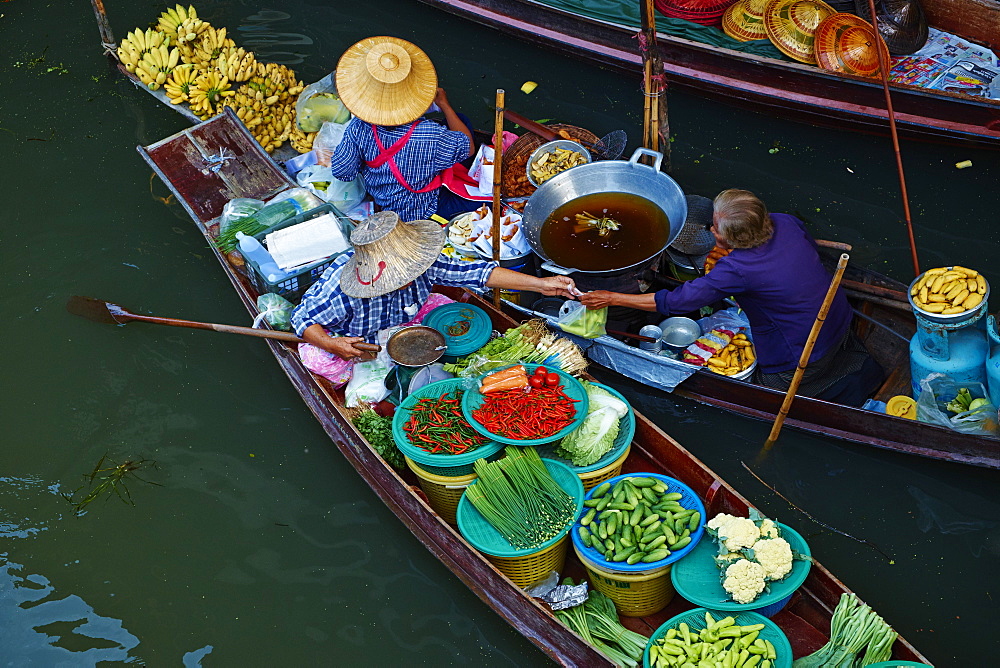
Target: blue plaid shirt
[(327, 305), (431, 149)]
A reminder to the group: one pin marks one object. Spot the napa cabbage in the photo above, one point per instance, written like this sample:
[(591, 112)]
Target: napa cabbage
[(595, 437)]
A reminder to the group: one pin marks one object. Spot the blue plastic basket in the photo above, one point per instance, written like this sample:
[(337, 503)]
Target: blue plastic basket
[(688, 500), (695, 619), (626, 432), (475, 334), (698, 580), (439, 464), (572, 388)]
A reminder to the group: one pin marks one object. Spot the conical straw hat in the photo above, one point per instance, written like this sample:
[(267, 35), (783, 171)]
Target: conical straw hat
[(846, 43), (745, 20), (386, 80), (791, 25), (388, 254)]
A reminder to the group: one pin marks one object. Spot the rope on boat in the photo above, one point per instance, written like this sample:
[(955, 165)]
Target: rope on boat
[(822, 524), (110, 49)]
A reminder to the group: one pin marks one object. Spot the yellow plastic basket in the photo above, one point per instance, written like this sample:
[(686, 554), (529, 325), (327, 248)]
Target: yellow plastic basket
[(595, 478), (443, 492), (634, 594), (528, 569)]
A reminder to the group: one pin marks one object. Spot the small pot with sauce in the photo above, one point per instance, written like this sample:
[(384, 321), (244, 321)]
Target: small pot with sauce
[(605, 217)]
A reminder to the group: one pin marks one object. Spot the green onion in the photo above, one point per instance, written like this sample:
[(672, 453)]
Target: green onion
[(596, 621)]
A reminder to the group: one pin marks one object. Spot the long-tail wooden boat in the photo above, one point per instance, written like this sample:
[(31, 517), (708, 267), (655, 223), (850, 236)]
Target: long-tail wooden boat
[(773, 86), (179, 160), (885, 323)]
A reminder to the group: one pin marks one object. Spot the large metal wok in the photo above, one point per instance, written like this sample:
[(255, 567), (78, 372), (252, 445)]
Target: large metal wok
[(624, 176)]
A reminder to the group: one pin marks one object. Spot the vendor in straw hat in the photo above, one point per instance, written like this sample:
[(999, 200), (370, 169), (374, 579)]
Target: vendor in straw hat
[(388, 84), (774, 271), (386, 281)]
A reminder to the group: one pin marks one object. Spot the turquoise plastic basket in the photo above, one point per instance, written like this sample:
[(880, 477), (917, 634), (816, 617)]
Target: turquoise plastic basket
[(484, 537), (445, 317), (571, 386), (626, 432), (698, 580), (439, 464), (695, 619), (688, 500)]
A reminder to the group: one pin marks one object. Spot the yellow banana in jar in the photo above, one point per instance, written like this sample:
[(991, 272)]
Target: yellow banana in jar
[(935, 307), (924, 292), (970, 273), (952, 310), (960, 298), (980, 285), (972, 301), (956, 287), (938, 282)]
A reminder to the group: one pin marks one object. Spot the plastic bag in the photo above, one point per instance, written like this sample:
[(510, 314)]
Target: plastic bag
[(276, 310), (236, 208), (344, 195), (305, 198), (326, 142), (575, 318), (937, 389), (367, 384), (318, 102)]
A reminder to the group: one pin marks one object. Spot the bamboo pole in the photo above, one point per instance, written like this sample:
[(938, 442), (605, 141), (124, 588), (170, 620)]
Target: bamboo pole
[(779, 419), (656, 128), (104, 27), (883, 68), (497, 176)]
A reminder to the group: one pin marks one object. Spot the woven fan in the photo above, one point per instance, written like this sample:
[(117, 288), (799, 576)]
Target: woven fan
[(846, 43), (791, 25)]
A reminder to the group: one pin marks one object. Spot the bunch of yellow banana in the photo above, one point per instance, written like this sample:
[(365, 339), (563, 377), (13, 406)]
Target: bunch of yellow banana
[(949, 290), (301, 141), (236, 63), (137, 44), (208, 92), (209, 45), (179, 83), (190, 29), (156, 65), (737, 356), (172, 18)]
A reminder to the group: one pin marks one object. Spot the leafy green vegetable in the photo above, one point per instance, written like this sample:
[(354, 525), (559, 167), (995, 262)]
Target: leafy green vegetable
[(596, 621), (595, 437), (378, 431)]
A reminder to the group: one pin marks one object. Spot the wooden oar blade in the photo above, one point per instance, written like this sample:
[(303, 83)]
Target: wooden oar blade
[(98, 311)]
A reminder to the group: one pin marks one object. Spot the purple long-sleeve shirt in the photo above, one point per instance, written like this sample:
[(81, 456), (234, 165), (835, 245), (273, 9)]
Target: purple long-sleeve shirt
[(780, 285)]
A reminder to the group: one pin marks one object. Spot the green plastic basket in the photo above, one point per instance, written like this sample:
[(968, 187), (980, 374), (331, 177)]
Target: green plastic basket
[(439, 464), (695, 619), (626, 431), (697, 578), (571, 386), (484, 537)]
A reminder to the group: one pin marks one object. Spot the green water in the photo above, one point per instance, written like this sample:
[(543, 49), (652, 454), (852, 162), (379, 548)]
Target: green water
[(261, 546)]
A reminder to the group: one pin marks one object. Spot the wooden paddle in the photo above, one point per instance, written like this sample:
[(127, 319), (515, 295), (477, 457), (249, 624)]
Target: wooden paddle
[(113, 314), (824, 308)]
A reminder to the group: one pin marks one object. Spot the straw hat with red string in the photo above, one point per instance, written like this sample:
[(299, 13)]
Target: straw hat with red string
[(386, 81), (847, 43), (744, 20), (791, 26), (389, 253)]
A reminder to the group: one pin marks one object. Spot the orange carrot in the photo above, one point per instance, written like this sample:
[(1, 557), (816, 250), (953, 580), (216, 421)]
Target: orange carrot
[(512, 372), (514, 383)]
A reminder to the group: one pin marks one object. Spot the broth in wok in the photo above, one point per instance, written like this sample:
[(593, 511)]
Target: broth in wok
[(604, 231)]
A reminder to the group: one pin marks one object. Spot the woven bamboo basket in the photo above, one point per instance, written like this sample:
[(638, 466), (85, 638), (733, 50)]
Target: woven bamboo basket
[(514, 181)]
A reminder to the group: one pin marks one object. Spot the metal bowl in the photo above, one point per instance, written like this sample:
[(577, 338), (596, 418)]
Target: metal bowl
[(550, 147), (679, 332), (952, 318), (416, 346)]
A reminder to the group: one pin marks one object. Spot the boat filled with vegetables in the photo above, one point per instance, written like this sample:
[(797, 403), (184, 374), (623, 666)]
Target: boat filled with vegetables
[(575, 520)]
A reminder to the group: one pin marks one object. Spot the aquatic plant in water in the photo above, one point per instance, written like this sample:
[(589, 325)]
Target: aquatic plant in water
[(110, 480)]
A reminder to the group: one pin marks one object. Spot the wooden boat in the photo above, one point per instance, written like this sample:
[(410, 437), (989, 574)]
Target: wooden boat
[(877, 299), (772, 86), (179, 162)]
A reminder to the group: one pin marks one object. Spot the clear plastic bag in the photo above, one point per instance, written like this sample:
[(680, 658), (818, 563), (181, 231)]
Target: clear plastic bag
[(276, 310), (575, 318), (937, 389), (305, 198), (345, 195), (237, 208), (318, 102), (326, 142)]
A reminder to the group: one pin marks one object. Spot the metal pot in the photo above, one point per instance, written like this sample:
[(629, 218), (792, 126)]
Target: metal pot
[(624, 176)]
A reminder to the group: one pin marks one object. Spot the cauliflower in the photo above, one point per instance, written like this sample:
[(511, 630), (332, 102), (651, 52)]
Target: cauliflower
[(768, 529), (734, 533), (775, 555), (727, 559), (744, 581)]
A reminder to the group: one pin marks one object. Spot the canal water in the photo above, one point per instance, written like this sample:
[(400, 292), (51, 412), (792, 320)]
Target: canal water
[(251, 541)]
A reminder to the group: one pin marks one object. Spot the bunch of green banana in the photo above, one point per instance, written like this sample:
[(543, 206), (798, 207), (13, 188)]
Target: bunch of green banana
[(179, 83), (236, 63), (172, 18), (208, 92)]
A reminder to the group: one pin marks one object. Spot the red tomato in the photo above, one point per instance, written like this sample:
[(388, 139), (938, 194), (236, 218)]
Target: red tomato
[(536, 381), (552, 379), (541, 371)]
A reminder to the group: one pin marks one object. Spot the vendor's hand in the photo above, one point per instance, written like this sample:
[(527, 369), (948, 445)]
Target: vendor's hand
[(441, 98), (598, 299), (343, 347), (562, 286)]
